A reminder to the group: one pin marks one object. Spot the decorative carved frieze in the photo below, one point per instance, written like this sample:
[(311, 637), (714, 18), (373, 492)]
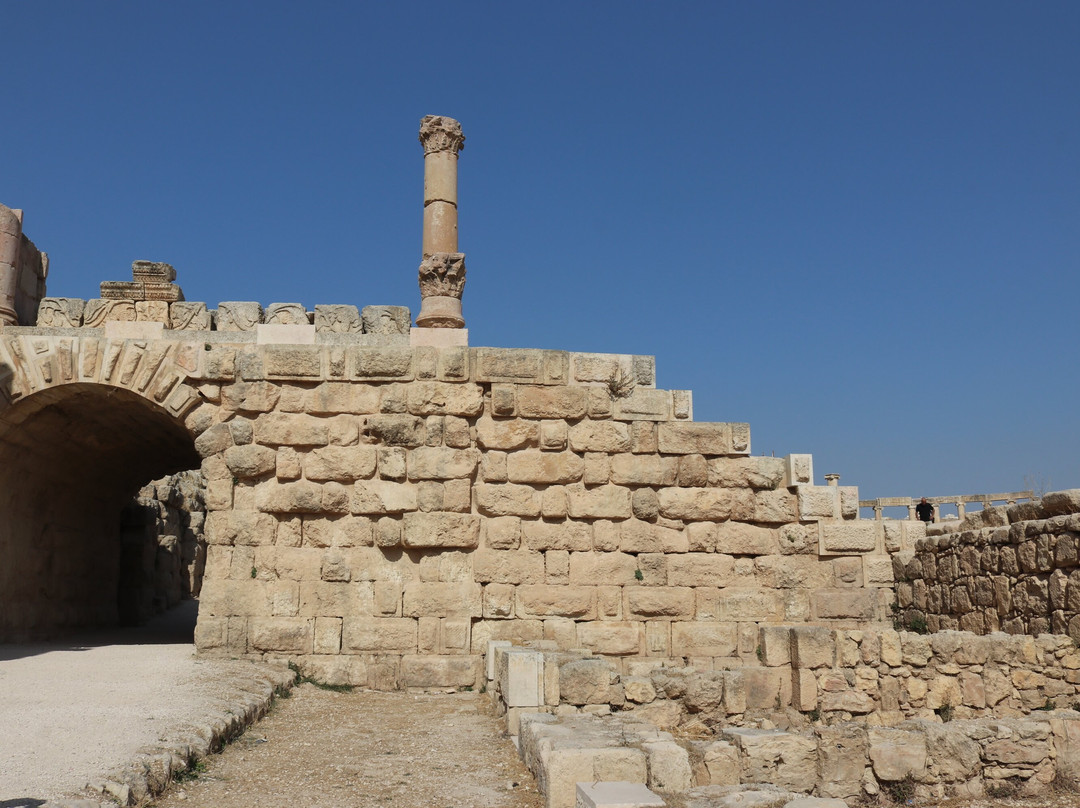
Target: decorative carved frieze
[(60, 312), (286, 314), (386, 319), (101, 311), (238, 316), (337, 319), (189, 316)]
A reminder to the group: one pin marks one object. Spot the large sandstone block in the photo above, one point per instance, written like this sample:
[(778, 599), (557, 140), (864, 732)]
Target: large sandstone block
[(762, 473), (847, 537), (521, 365), (772, 756), (739, 538), (508, 566), (440, 463), (599, 569), (445, 398), (897, 754), (506, 500), (660, 601), (601, 502), (700, 569), (704, 639), (519, 673), (379, 634), (812, 647), (573, 536), (290, 635), (441, 530), (612, 638), (845, 604), (585, 681), (442, 599), (552, 402), (556, 601), (340, 463), (240, 528), (506, 435), (534, 466), (644, 404), (382, 497), (636, 536), (703, 438), (751, 604), (291, 429), (600, 436), (246, 462), (631, 469), (705, 504), (566, 767), (395, 430)]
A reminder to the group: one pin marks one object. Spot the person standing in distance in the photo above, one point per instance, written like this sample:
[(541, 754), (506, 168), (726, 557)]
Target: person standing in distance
[(925, 511)]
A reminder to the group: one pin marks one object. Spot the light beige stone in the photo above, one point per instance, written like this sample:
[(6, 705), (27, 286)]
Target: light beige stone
[(600, 436), (441, 530), (533, 466), (440, 463), (602, 502)]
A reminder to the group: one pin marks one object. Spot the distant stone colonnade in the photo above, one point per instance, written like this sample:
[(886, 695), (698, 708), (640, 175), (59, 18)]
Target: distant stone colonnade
[(959, 502)]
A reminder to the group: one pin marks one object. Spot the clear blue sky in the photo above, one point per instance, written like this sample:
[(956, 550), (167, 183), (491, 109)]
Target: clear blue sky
[(854, 225)]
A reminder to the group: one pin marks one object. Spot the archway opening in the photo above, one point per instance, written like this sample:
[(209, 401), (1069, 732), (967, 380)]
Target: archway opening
[(72, 459)]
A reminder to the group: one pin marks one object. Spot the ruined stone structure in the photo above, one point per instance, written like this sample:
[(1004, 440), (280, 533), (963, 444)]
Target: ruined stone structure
[(386, 505)]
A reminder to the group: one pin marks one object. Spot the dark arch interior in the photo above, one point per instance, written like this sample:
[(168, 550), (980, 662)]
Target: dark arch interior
[(71, 458)]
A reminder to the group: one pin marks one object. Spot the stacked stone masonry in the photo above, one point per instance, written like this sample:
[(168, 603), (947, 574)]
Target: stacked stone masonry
[(1011, 569), (381, 511), (840, 764)]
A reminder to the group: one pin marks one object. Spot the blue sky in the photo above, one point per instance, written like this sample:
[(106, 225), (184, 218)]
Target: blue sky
[(854, 225)]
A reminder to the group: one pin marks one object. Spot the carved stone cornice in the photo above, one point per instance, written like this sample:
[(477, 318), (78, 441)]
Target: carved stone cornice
[(441, 134), (442, 274)]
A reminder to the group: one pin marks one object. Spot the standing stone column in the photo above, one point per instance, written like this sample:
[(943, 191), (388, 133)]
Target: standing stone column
[(10, 240), (442, 270)]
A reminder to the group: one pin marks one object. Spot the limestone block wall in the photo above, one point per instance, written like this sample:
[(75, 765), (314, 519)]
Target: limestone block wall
[(1012, 569), (385, 526)]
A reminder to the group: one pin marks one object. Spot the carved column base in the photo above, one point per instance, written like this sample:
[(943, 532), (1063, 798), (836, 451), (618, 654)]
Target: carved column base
[(440, 311)]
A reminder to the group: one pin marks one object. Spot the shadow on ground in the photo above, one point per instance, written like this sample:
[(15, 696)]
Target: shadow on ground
[(175, 626)]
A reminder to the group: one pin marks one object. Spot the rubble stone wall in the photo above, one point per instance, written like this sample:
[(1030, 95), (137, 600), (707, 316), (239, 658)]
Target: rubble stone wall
[(1012, 569), (162, 551)]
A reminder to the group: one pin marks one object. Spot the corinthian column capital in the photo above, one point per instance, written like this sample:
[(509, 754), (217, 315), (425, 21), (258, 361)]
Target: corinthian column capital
[(441, 134)]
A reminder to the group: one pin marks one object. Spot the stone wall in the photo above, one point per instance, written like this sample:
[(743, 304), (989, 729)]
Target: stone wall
[(802, 675), (916, 760), (162, 551), (1012, 569), (384, 527)]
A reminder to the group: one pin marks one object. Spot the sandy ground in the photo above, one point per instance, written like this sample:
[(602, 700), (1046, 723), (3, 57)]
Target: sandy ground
[(320, 748), (73, 711)]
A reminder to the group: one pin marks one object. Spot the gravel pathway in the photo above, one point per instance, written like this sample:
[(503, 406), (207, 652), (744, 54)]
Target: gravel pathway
[(79, 711)]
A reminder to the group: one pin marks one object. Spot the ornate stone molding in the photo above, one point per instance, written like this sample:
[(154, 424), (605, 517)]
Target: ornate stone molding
[(442, 281), (440, 134)]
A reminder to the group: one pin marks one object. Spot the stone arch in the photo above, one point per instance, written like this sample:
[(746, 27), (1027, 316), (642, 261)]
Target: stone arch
[(84, 423)]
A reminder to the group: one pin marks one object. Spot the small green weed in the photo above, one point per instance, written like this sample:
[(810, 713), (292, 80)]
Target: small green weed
[(1002, 789), (945, 713), (760, 654), (1049, 705), (814, 715), (639, 575), (302, 679), (192, 772)]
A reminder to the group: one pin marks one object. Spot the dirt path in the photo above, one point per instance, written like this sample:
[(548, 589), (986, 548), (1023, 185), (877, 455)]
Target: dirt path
[(358, 749)]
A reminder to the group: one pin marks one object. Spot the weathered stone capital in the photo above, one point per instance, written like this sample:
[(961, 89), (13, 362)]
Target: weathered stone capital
[(442, 274), (439, 134), (442, 280)]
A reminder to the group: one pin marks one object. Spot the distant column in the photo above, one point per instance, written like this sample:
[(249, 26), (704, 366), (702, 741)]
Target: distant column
[(10, 240), (442, 269)]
